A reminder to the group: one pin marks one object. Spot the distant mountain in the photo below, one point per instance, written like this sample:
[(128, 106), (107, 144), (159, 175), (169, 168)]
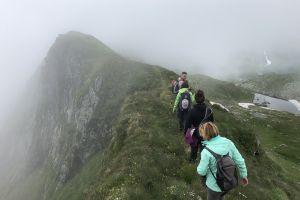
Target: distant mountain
[(221, 91), (280, 85), (94, 125)]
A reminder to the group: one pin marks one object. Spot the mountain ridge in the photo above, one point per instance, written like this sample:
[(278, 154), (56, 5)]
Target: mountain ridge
[(99, 126)]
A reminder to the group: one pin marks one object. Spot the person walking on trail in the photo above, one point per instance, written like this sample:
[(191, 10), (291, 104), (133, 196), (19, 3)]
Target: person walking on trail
[(177, 84), (199, 114), (183, 77), (183, 104), (219, 162)]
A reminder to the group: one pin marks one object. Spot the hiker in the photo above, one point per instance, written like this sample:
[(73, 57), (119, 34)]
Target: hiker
[(200, 113), (183, 77), (183, 104), (177, 84), (227, 155)]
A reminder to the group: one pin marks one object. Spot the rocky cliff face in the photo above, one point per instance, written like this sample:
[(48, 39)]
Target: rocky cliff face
[(93, 125), (70, 106), (67, 95)]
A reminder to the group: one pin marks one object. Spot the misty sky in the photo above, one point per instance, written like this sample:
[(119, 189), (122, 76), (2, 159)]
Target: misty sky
[(202, 34)]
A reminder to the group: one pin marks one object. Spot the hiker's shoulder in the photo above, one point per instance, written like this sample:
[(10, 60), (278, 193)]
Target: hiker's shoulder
[(226, 141), (205, 153), (183, 90)]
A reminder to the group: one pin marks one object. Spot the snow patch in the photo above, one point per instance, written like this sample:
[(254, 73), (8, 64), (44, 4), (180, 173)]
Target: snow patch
[(296, 103), (246, 105), (267, 108), (223, 107)]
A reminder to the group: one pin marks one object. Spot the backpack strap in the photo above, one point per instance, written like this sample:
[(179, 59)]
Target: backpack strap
[(212, 173), (206, 114), (184, 93), (217, 156)]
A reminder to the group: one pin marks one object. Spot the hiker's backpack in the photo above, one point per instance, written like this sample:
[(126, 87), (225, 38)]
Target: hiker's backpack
[(226, 176), (189, 133), (185, 101)]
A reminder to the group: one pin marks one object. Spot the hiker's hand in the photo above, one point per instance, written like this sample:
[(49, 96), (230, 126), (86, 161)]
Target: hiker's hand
[(245, 181)]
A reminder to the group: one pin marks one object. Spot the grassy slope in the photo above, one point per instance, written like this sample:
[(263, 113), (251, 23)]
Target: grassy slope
[(280, 85), (147, 158), (222, 91), (144, 158), (279, 131), (278, 141)]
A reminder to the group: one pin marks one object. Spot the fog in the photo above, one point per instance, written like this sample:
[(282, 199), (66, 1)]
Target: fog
[(210, 36)]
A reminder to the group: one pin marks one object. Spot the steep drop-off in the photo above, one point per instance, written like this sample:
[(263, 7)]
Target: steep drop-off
[(94, 125)]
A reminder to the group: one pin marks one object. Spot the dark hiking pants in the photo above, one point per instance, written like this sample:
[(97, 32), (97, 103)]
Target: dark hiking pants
[(212, 195), (182, 115)]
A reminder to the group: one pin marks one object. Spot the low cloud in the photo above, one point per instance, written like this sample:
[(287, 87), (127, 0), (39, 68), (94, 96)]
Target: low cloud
[(209, 36)]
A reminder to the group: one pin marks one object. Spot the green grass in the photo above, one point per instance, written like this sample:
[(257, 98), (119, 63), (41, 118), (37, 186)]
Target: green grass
[(278, 85), (143, 155), (147, 157), (220, 91)]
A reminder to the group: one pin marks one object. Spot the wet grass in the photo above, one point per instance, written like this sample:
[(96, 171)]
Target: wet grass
[(147, 157)]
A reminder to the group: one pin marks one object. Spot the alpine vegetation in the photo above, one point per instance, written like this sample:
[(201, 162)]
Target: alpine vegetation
[(92, 124)]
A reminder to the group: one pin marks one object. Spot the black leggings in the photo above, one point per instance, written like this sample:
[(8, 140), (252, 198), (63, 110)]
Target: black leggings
[(182, 115)]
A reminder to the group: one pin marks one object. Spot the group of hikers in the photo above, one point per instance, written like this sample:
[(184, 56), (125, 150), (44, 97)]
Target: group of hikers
[(219, 158)]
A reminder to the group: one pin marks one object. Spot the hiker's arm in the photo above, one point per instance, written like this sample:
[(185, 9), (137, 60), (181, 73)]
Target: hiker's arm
[(239, 161), (176, 102), (203, 165)]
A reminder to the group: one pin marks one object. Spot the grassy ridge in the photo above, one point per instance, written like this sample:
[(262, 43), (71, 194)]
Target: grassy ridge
[(147, 157), (144, 158)]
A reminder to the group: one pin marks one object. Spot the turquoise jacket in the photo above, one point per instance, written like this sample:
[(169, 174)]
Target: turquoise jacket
[(178, 98), (222, 146)]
